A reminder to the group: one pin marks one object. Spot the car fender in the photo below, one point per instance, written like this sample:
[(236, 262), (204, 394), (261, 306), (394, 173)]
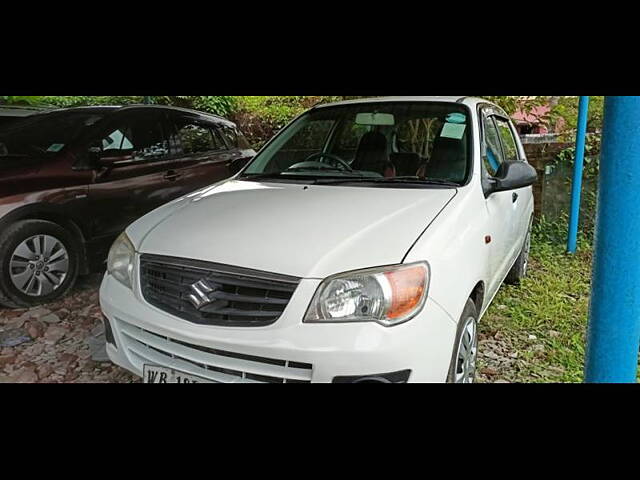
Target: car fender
[(455, 248)]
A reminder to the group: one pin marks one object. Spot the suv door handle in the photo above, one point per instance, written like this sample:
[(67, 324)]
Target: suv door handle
[(514, 197), (172, 175)]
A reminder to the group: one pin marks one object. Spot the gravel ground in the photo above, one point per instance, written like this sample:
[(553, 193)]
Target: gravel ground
[(496, 358), (61, 342)]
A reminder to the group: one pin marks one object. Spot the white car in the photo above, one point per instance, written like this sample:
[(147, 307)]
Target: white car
[(362, 244)]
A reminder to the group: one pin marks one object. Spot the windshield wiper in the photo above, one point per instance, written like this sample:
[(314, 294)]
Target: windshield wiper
[(311, 169), (298, 175), (411, 180), (259, 176)]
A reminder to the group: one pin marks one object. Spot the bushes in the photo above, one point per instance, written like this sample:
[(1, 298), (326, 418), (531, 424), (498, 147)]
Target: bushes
[(19, 100), (218, 105), (260, 117), (79, 101)]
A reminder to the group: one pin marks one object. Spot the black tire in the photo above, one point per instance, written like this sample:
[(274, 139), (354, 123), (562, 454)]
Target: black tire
[(519, 269), (470, 313), (10, 295)]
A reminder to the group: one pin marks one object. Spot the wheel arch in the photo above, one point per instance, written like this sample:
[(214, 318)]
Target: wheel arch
[(51, 213), (477, 296)]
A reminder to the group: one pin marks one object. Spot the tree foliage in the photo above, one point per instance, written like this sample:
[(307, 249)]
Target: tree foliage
[(567, 110), (19, 100), (219, 105)]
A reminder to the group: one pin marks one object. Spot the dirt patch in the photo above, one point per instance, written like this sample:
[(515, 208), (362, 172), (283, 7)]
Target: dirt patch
[(60, 342)]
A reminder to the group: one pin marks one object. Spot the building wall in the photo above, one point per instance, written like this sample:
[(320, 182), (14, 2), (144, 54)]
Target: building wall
[(539, 154)]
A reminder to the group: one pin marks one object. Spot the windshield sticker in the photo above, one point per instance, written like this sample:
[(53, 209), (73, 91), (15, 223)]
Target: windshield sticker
[(453, 130), (56, 147), (456, 118)]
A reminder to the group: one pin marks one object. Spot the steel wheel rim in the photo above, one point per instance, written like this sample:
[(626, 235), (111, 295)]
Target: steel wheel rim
[(39, 265), (467, 353)]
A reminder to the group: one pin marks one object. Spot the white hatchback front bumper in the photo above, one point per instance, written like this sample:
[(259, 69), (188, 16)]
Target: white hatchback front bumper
[(288, 349)]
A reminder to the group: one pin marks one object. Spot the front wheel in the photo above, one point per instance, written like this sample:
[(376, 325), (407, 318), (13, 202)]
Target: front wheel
[(38, 263), (465, 350)]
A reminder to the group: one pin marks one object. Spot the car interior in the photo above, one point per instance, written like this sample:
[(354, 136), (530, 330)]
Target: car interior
[(447, 159)]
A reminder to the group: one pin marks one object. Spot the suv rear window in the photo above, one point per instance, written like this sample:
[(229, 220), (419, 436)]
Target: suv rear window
[(234, 137)]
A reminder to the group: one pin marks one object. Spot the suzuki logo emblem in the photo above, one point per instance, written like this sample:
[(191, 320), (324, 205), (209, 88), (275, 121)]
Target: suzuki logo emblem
[(199, 296)]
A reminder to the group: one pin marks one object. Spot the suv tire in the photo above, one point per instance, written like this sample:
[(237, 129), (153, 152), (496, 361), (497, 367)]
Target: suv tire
[(38, 263)]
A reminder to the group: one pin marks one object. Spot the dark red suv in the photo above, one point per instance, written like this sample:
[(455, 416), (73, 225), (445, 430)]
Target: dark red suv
[(71, 180)]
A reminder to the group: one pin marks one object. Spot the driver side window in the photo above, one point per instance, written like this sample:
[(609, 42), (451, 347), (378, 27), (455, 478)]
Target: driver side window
[(137, 138), (493, 148)]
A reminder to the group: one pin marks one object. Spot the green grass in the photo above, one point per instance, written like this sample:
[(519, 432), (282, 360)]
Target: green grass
[(539, 327)]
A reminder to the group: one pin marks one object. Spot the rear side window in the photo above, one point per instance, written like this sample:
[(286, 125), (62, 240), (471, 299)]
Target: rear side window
[(195, 138), (508, 141), (218, 140), (234, 138)]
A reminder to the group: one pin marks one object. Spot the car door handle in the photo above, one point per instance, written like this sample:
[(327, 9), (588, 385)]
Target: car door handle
[(172, 175), (514, 197)]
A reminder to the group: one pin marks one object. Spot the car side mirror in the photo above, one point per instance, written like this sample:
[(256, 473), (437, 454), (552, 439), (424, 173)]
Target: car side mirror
[(511, 176)]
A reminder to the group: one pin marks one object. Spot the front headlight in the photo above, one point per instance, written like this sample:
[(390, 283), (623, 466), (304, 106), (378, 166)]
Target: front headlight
[(120, 260), (389, 295)]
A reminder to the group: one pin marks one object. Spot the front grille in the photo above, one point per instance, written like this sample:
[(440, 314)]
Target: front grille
[(226, 295), (146, 347)]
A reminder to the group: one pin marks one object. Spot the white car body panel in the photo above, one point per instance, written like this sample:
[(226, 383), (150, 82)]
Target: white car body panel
[(299, 230), (313, 232)]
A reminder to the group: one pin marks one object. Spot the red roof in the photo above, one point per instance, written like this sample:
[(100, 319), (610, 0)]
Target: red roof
[(533, 116)]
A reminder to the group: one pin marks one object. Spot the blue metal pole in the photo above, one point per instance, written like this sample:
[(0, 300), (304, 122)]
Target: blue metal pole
[(576, 186), (613, 336)]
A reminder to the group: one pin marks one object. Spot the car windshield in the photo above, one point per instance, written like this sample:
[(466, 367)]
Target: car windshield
[(385, 142), (44, 134)]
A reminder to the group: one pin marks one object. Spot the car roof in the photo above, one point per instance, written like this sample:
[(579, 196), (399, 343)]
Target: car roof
[(103, 109), (470, 101), (22, 111), (205, 115)]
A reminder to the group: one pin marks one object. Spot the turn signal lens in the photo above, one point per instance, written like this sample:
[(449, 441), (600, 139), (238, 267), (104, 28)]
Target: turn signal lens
[(407, 290)]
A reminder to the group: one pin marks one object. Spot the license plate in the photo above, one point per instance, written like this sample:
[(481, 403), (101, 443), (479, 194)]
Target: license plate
[(155, 374)]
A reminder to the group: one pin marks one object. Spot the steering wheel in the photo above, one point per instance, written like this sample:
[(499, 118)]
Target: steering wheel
[(331, 156)]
